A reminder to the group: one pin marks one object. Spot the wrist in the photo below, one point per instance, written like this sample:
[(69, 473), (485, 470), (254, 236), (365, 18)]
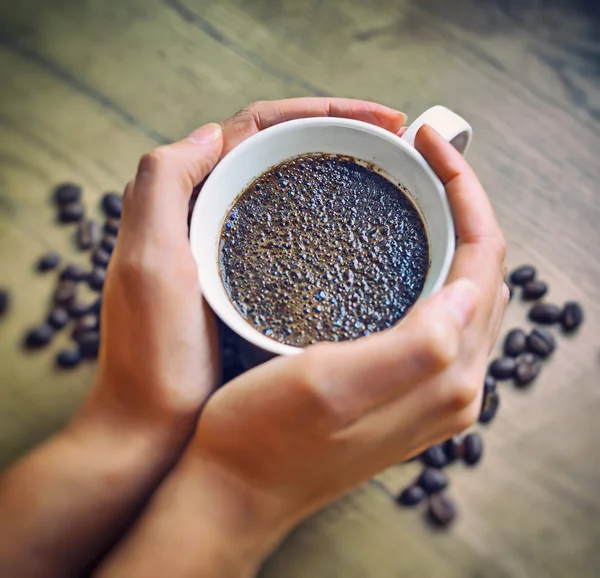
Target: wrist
[(201, 522), (246, 524)]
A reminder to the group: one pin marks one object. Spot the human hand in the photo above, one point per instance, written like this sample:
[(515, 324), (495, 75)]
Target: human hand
[(291, 435), (64, 504)]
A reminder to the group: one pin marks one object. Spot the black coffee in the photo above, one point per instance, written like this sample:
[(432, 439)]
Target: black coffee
[(322, 248)]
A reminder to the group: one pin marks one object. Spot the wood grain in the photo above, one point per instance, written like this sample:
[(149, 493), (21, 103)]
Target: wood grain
[(87, 87)]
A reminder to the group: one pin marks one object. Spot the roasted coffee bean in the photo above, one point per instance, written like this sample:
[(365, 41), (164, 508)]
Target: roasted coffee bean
[(435, 457), (528, 368), (571, 317), (541, 342), (65, 292), (74, 273), (432, 480), (89, 322), (441, 510), (522, 275), (89, 343), (4, 301), (66, 193), (503, 368), (109, 242), (97, 277), (411, 496), (515, 343), (39, 336), (489, 406), (88, 234), (546, 313), (71, 213), (534, 290), (111, 226), (489, 384), (453, 448), (68, 358), (48, 262), (58, 317), (78, 309), (101, 257), (112, 204), (473, 448)]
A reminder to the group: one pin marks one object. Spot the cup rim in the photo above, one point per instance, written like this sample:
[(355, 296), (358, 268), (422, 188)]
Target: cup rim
[(240, 326)]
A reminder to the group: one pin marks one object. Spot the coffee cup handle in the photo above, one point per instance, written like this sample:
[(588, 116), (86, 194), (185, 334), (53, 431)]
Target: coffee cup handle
[(453, 128)]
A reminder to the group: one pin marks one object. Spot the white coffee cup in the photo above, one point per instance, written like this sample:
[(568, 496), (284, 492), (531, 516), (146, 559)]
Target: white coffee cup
[(396, 158)]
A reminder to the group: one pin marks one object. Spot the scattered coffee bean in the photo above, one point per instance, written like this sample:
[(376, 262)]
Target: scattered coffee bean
[(546, 313), (541, 342), (109, 242), (453, 448), (88, 234), (503, 368), (489, 406), (534, 290), (65, 292), (58, 317), (4, 301), (89, 322), (111, 226), (39, 336), (89, 343), (489, 384), (112, 204), (515, 343), (97, 277), (473, 448), (74, 273), (68, 358), (71, 213), (411, 496), (441, 511), (528, 368), (101, 257), (78, 309), (48, 262), (571, 316), (432, 480), (522, 275), (66, 193), (435, 457)]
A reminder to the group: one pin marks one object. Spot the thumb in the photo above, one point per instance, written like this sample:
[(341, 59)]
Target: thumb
[(156, 201)]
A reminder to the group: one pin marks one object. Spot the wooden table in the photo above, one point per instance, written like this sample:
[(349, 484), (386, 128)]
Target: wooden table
[(86, 87)]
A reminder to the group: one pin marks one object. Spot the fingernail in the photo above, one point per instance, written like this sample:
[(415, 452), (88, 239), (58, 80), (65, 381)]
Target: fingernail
[(461, 299), (206, 134), (430, 128)]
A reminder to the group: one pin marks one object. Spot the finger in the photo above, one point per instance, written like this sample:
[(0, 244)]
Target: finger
[(481, 250), (156, 205), (473, 213), (261, 115), (356, 377), (498, 315)]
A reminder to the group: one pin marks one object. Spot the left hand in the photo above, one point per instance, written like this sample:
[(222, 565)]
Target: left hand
[(64, 504)]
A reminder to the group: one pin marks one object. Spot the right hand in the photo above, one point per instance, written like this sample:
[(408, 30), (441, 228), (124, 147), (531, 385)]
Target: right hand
[(285, 438), (303, 430)]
